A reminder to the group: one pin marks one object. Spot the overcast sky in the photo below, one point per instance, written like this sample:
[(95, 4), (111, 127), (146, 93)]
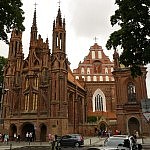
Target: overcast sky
[(85, 20)]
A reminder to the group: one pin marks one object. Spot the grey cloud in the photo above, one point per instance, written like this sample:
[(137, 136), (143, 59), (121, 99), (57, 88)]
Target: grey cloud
[(91, 16)]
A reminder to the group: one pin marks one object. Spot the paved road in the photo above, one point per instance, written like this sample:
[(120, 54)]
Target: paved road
[(48, 148)]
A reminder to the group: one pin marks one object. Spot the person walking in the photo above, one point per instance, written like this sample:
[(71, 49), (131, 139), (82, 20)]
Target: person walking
[(27, 137), (6, 138), (15, 136), (52, 141), (18, 138)]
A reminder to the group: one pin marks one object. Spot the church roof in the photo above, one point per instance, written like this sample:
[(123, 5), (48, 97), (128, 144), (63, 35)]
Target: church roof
[(72, 79), (108, 114)]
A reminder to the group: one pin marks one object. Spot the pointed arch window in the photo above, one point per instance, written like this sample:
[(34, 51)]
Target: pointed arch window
[(112, 69), (77, 77), (106, 70), (82, 70), (27, 83), (99, 54), (57, 40), (93, 54), (26, 105), (36, 82), (131, 92), (99, 101), (35, 100), (94, 78), (88, 70), (83, 78), (107, 78), (60, 46), (101, 78), (88, 78)]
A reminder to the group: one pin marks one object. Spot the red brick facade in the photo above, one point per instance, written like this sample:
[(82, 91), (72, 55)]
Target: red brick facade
[(45, 97)]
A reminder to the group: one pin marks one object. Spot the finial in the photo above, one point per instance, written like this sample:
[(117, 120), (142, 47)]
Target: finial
[(35, 4), (95, 39), (59, 2)]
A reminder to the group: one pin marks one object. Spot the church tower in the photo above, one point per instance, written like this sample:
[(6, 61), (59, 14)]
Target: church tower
[(12, 73), (130, 92), (59, 74)]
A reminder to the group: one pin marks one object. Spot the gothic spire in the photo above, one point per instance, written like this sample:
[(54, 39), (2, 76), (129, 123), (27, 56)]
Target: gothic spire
[(59, 33), (58, 18), (34, 18), (34, 28)]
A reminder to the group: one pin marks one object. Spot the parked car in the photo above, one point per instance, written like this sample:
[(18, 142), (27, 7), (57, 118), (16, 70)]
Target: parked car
[(71, 140), (107, 148), (126, 141), (119, 142)]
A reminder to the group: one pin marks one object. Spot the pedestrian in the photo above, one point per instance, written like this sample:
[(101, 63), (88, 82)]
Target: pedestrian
[(15, 136), (137, 134), (6, 138), (18, 138), (30, 136), (1, 137), (49, 138), (134, 135), (53, 142), (27, 137)]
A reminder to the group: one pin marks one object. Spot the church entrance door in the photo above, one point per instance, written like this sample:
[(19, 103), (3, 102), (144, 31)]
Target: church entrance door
[(133, 125), (27, 128), (13, 131), (43, 132), (103, 127)]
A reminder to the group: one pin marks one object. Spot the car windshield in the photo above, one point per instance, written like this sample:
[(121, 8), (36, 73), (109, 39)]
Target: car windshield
[(114, 142)]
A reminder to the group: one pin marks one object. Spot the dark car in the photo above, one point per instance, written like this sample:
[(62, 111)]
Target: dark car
[(72, 140)]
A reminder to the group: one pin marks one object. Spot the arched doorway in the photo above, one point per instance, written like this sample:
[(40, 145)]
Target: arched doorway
[(102, 129), (13, 129), (43, 132), (133, 125), (27, 127), (102, 126)]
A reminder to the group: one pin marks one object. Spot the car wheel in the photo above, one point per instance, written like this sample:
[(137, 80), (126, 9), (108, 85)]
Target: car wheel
[(77, 144)]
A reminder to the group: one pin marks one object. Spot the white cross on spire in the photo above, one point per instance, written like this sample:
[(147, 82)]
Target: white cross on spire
[(95, 39), (59, 2)]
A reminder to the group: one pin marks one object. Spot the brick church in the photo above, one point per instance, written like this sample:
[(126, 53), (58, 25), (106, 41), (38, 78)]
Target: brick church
[(44, 96)]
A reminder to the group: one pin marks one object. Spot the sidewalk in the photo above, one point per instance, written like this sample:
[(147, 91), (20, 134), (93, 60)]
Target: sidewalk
[(88, 141)]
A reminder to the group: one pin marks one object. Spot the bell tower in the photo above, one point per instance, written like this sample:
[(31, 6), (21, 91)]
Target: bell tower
[(130, 91), (59, 108)]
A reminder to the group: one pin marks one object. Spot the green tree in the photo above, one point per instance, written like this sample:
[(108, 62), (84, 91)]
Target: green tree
[(133, 18), (11, 16), (91, 119), (3, 62)]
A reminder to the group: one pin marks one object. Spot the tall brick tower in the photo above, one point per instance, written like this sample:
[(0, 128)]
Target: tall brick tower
[(12, 75), (59, 73)]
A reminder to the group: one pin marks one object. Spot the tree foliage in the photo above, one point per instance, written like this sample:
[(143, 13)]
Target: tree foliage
[(11, 16), (133, 17), (3, 62), (91, 119)]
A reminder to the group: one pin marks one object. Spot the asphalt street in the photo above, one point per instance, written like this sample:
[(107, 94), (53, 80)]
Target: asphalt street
[(89, 141)]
